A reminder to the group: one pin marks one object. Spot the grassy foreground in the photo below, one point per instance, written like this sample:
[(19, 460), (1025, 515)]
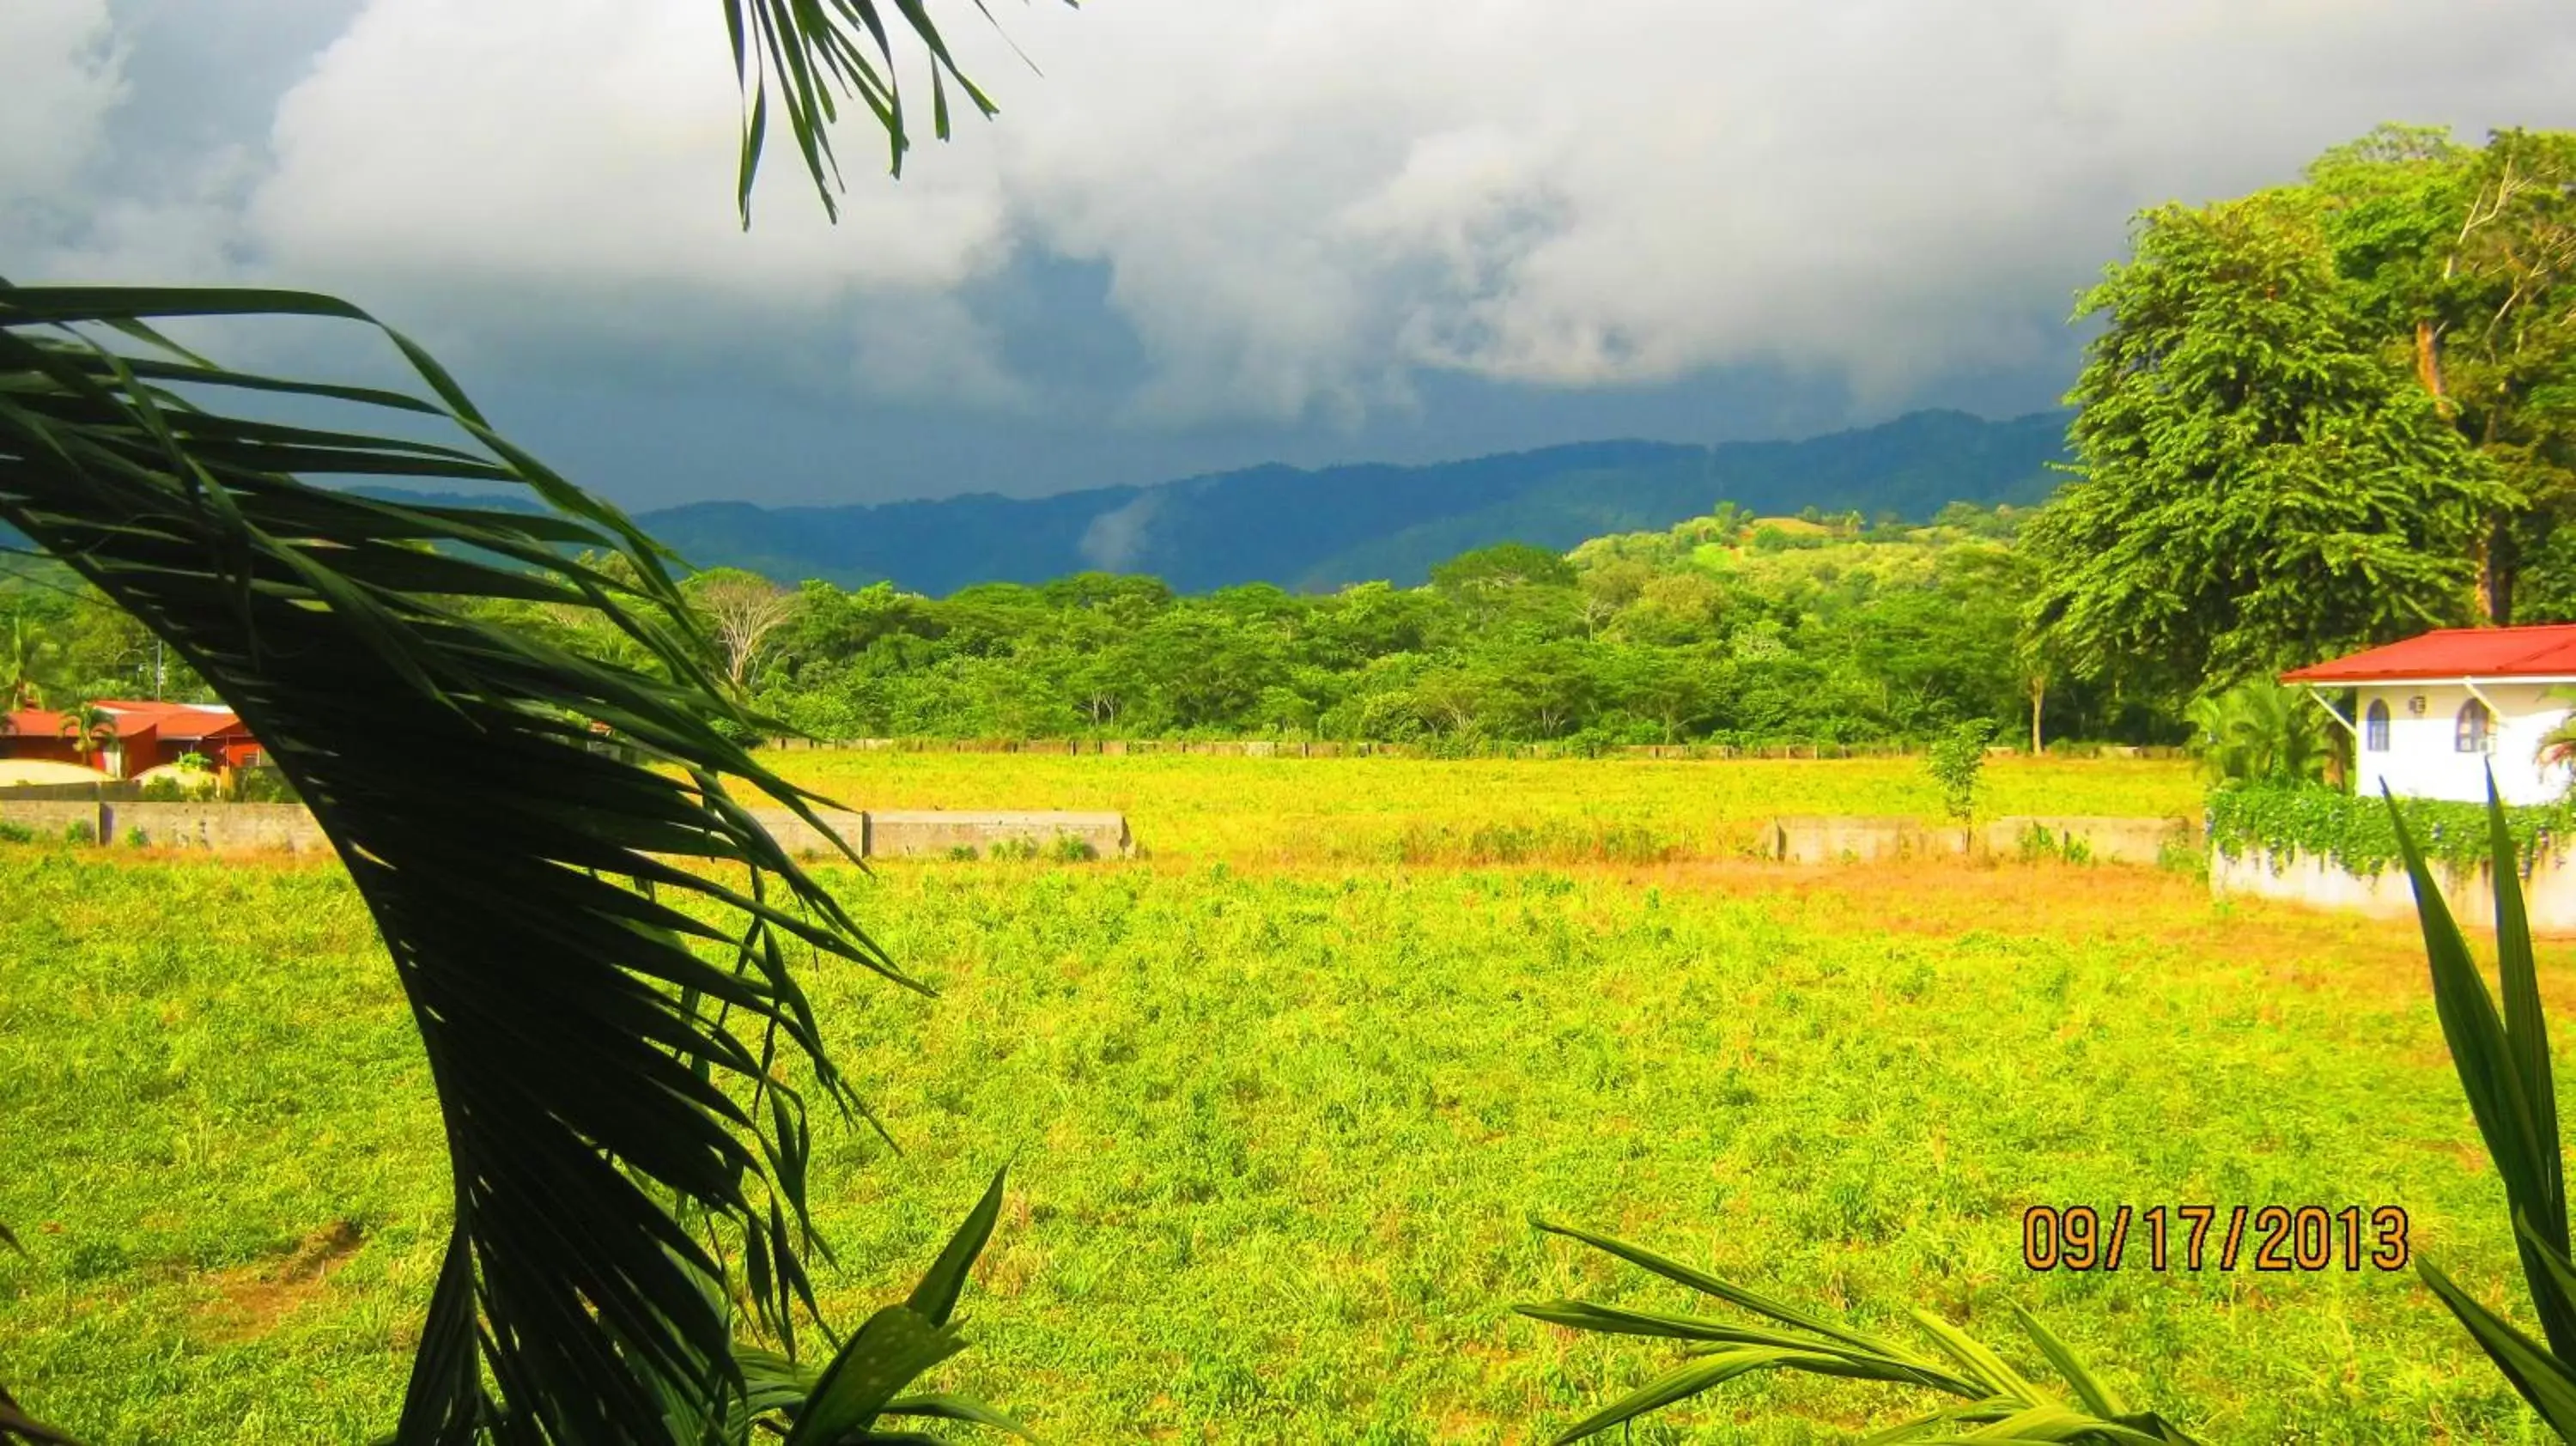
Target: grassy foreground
[(1469, 811), (1276, 1134)]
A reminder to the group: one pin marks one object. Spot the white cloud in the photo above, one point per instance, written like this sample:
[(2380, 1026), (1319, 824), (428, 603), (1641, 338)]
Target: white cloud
[(60, 75), (1302, 207), (576, 144)]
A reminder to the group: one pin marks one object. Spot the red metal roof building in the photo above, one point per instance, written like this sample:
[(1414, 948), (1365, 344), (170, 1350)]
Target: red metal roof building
[(2433, 714), (138, 735), (2547, 652)]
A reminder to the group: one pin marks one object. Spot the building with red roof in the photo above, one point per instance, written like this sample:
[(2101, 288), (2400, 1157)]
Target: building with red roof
[(137, 736), (2431, 715)]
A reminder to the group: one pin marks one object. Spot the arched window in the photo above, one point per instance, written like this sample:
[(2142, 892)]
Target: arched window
[(2374, 727), (2473, 734)]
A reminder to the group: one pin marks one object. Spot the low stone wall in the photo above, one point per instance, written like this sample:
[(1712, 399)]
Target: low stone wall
[(49, 818), (59, 792), (2103, 840), (224, 827), (288, 827), (2549, 892), (804, 840), (895, 834), (1827, 839)]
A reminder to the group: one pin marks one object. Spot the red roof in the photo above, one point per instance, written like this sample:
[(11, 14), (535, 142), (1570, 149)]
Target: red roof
[(38, 723), (175, 720), (2534, 652)]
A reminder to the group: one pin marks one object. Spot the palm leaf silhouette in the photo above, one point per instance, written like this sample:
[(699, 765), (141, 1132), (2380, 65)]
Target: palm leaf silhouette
[(595, 946)]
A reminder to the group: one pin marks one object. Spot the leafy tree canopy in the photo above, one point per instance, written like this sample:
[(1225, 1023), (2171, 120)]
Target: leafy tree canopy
[(2324, 416), (2257, 486)]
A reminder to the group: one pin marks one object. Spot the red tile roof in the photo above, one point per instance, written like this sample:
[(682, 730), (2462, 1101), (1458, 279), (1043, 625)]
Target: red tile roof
[(2533, 652)]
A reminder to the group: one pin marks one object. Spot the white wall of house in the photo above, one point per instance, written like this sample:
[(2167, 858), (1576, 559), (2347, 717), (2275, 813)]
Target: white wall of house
[(2423, 758)]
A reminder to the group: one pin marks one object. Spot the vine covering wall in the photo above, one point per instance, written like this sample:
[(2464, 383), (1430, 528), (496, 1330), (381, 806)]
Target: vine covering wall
[(2360, 835)]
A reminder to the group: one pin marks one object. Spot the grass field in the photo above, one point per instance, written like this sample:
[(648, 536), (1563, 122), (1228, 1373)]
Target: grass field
[(1404, 810), (1276, 1130)]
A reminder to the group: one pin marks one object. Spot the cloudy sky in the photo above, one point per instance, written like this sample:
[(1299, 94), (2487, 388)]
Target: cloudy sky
[(1204, 233)]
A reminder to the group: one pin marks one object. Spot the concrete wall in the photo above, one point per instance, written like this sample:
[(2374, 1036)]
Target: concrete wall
[(895, 834), (2423, 760), (2104, 840), (289, 827), (2549, 894), (1828, 838), (802, 840), (1825, 839), (224, 827), (48, 817)]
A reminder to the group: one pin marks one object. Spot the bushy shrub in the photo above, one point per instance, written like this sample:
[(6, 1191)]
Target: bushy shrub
[(263, 785), (16, 832), (1072, 849)]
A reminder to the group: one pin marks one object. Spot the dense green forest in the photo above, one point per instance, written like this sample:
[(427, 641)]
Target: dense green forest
[(2316, 418), (1726, 628)]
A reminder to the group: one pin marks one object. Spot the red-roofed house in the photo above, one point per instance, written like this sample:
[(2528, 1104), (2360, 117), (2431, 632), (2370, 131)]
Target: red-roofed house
[(208, 729), (2432, 714), (145, 735)]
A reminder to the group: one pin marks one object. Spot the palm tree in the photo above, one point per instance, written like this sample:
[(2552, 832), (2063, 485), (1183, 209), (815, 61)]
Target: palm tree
[(596, 950), (23, 657), (90, 729), (2258, 732)]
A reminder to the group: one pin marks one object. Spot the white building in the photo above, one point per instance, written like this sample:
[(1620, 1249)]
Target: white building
[(2429, 716)]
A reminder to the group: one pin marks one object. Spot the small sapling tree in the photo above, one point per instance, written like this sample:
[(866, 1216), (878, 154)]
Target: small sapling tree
[(1957, 762)]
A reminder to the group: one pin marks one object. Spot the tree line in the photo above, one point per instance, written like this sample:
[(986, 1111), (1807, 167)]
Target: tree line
[(1725, 628), (2316, 418)]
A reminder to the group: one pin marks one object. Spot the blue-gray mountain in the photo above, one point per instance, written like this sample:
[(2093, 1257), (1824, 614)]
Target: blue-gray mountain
[(1334, 525)]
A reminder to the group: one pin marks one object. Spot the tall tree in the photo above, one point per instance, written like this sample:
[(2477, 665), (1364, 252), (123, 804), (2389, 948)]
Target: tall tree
[(2256, 484), (742, 611), (2465, 259)]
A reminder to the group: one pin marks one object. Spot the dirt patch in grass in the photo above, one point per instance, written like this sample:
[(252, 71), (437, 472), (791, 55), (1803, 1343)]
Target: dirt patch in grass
[(252, 1300)]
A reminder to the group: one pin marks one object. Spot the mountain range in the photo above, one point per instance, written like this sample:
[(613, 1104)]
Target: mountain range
[(1310, 529), (1322, 528)]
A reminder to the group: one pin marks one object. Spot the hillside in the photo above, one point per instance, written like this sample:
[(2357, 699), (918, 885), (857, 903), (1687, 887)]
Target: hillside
[(1322, 528), (1318, 529)]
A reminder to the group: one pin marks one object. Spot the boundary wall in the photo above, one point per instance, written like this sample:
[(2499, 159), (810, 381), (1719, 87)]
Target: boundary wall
[(2548, 890), (290, 828), (1827, 839)]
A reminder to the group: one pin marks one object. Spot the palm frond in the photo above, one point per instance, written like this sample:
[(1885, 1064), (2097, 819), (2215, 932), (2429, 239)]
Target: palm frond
[(818, 53), (596, 950), (1995, 1402), (2502, 1059)]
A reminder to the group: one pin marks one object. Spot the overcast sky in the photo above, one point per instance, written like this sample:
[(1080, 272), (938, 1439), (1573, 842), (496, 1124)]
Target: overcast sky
[(1205, 233)]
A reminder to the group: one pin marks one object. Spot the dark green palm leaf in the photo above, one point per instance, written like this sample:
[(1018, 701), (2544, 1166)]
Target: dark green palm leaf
[(2502, 1058), (818, 53), (602, 1055), (17, 1425)]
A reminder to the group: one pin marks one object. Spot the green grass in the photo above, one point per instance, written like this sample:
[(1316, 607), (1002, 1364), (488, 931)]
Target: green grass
[(1415, 811), (1275, 1135)]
